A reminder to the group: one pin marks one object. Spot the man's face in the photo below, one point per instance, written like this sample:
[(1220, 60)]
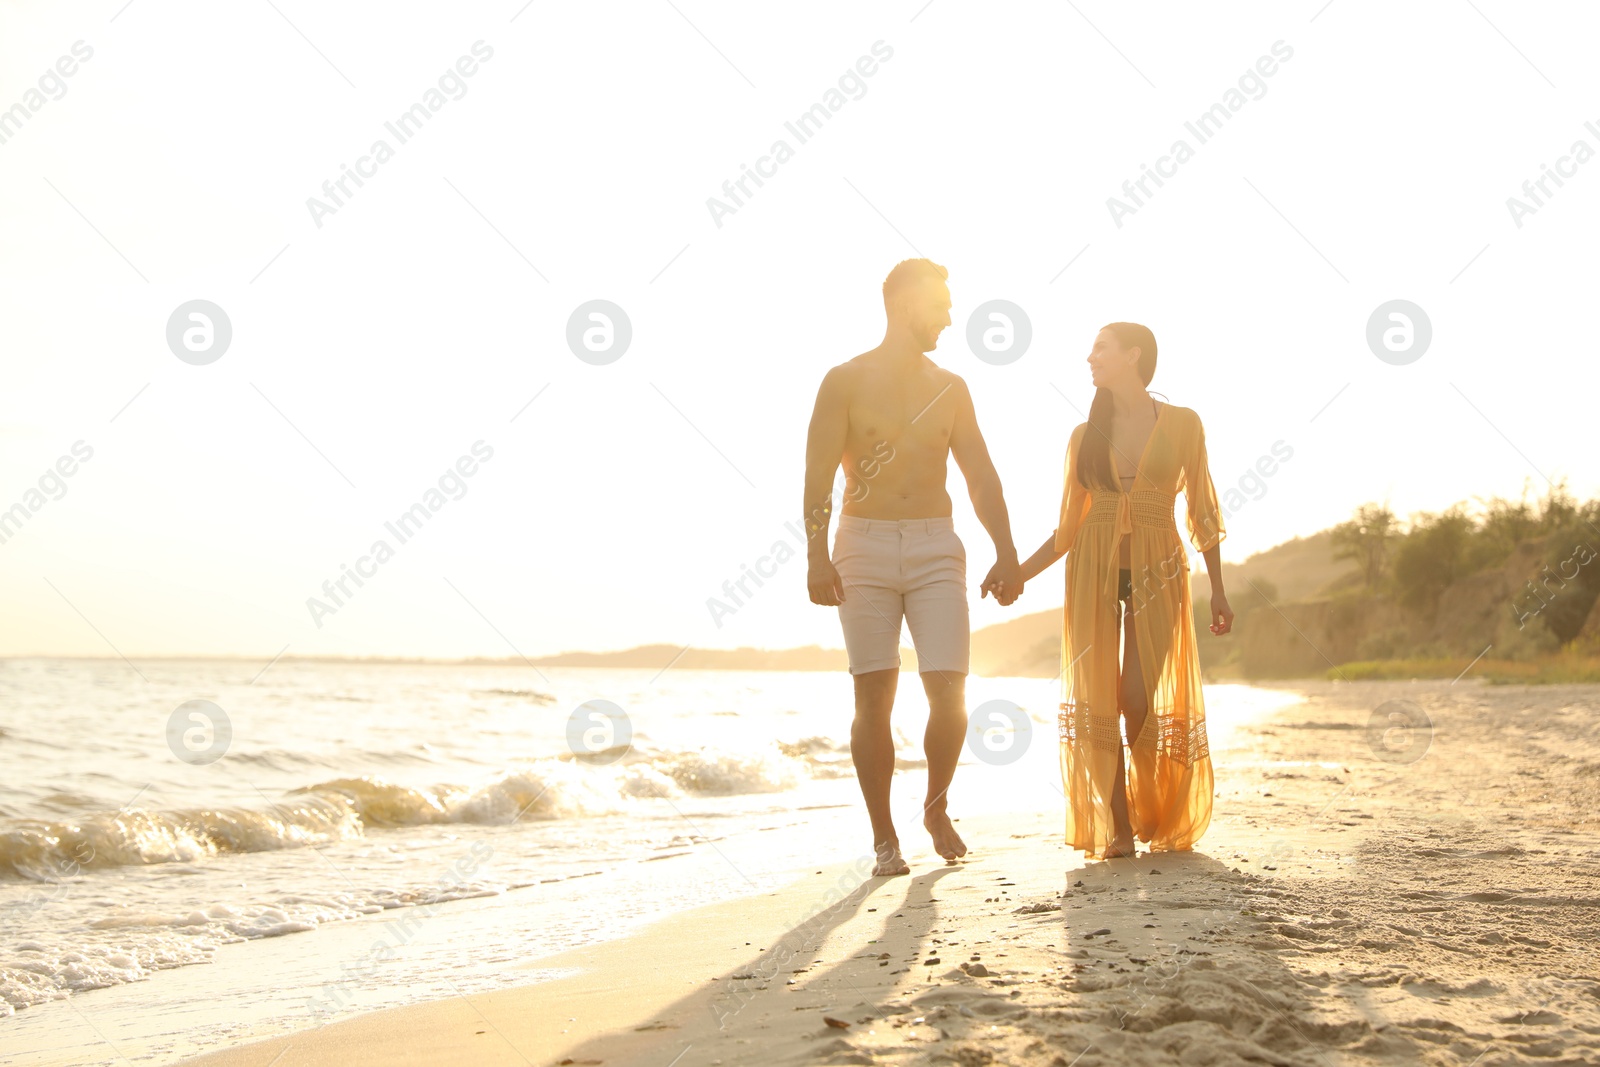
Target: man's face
[(928, 313)]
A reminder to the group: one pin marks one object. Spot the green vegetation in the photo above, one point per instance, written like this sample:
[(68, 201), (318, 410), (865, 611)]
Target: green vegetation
[(1562, 667), (1438, 550), (1506, 588), (1365, 540), (1417, 564)]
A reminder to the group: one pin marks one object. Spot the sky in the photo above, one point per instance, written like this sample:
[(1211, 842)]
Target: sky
[(389, 338)]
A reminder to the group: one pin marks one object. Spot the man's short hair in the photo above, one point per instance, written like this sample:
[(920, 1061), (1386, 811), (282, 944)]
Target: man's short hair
[(911, 273)]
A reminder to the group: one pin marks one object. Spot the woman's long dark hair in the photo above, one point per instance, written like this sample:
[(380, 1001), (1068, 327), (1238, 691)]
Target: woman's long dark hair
[(1094, 455)]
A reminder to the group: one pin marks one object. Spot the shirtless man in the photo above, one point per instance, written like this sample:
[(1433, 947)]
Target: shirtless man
[(891, 417)]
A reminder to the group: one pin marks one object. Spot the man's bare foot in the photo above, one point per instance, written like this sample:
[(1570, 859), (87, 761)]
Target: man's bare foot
[(890, 862), (946, 842)]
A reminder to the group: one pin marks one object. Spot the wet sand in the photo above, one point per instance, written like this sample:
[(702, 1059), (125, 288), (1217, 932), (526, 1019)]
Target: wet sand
[(1370, 891)]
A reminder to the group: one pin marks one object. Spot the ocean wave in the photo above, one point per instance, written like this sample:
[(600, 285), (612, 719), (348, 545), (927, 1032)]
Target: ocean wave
[(132, 945), (722, 774), (59, 948), (54, 850), (532, 695), (826, 757), (42, 851), (35, 972)]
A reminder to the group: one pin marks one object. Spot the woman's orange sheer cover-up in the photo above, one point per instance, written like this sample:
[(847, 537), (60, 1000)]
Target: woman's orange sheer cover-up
[(1169, 780)]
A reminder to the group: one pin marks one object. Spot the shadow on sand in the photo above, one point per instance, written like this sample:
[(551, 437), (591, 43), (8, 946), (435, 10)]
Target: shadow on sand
[(792, 976)]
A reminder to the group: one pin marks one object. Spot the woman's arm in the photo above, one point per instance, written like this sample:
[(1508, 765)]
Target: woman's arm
[(1030, 567), (1041, 560), (1221, 612), (1206, 529), (1074, 505)]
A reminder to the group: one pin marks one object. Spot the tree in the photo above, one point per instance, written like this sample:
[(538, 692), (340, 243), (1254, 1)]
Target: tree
[(1557, 508), (1504, 526), (1567, 585), (1432, 555), (1366, 539)]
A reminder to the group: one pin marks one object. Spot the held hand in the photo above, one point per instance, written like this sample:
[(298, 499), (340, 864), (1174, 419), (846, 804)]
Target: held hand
[(998, 590), (1221, 615), (1004, 580), (824, 584), (990, 585)]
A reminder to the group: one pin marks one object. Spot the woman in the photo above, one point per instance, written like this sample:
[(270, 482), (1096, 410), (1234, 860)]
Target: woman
[(1127, 569)]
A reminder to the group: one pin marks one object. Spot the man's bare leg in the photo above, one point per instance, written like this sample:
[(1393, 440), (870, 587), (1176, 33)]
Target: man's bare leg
[(947, 731), (872, 751)]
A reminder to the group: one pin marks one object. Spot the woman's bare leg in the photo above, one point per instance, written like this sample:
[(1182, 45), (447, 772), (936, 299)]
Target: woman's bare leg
[(1134, 704)]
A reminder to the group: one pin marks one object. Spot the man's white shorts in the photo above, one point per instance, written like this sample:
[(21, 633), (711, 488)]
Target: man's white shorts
[(910, 568)]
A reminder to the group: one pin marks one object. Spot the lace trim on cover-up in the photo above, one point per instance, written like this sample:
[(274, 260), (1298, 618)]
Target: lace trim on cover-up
[(1174, 738)]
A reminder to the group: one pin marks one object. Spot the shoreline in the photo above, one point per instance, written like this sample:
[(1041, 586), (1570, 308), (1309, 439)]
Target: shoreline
[(1366, 893), (287, 984), (1342, 904)]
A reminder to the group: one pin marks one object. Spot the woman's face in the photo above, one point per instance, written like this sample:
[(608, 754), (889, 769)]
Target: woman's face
[(1108, 360)]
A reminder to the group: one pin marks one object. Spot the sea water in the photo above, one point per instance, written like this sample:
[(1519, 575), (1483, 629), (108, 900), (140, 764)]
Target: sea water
[(422, 830)]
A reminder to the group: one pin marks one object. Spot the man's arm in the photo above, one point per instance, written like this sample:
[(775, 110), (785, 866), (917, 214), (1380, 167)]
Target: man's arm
[(830, 422), (983, 486)]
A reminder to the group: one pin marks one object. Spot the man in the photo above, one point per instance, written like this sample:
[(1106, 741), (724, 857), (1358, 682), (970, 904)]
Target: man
[(891, 416)]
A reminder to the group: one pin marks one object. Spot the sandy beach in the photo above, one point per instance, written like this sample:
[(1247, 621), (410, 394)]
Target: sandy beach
[(1367, 893), (509, 513)]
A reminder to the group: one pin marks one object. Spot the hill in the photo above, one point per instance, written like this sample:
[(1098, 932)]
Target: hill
[(1436, 594), (1028, 646)]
